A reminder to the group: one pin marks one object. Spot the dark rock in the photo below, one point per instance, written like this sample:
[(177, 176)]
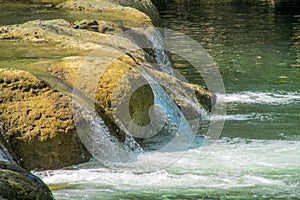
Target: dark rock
[(19, 184)]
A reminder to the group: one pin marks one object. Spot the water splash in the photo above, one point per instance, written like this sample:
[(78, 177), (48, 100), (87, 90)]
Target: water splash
[(260, 98), (97, 138), (176, 134), (160, 55), (245, 117), (252, 165)]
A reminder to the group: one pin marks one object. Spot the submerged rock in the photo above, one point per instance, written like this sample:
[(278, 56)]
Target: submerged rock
[(19, 184)]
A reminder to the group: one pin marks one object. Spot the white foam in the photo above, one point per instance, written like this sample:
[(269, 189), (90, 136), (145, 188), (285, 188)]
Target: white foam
[(270, 165), (248, 97), (244, 117), (237, 117)]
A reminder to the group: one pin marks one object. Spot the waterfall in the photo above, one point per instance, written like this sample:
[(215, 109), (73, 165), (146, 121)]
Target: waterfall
[(160, 55), (4, 154), (97, 138), (169, 130), (176, 134)]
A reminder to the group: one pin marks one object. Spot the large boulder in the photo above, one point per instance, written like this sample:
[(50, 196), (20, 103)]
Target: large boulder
[(56, 33), (121, 89), (38, 122), (146, 6), (114, 11)]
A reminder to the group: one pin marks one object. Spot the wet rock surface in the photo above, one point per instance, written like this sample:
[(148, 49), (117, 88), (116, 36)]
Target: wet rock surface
[(19, 184)]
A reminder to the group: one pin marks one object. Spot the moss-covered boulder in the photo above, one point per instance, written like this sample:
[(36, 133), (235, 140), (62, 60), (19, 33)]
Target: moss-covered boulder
[(121, 90), (145, 6), (38, 122), (114, 11)]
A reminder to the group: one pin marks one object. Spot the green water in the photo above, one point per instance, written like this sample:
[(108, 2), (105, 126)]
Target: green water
[(257, 49), (17, 12)]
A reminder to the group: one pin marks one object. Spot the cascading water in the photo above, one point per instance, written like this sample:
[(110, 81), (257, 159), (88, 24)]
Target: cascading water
[(176, 134), (97, 138), (160, 55), (4, 154), (176, 123), (172, 131)]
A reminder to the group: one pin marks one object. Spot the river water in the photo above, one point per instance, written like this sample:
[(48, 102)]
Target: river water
[(257, 49)]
